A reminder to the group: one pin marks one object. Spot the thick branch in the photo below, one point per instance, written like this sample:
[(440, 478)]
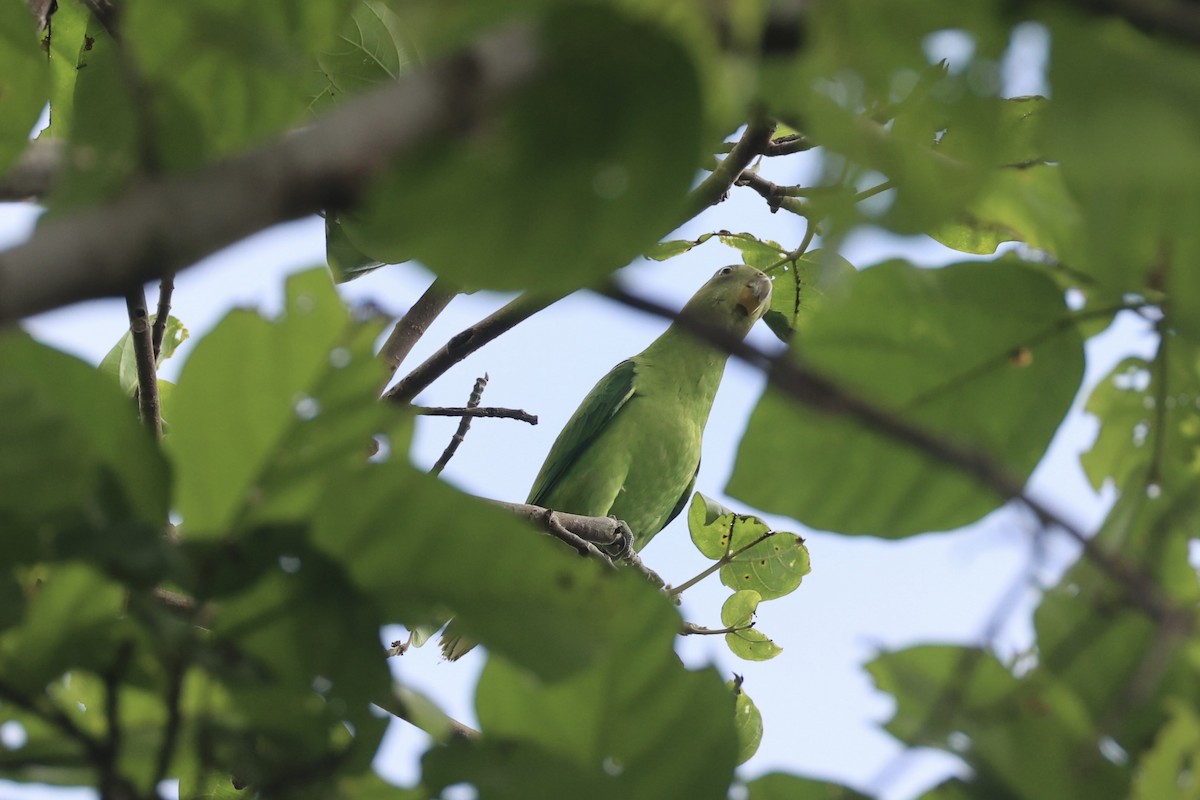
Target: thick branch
[(167, 224), (35, 171), (754, 141), (466, 342), (414, 323)]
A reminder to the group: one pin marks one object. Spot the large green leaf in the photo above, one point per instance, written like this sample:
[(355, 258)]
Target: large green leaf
[(582, 170), (778, 786), (1129, 149), (370, 49), (73, 459), (263, 410), (654, 731), (24, 81), (248, 74), (1024, 738), (983, 355)]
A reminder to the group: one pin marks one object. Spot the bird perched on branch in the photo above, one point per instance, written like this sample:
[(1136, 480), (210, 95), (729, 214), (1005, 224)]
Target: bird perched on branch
[(632, 448)]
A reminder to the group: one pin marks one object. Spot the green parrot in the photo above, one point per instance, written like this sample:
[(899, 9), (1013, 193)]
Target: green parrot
[(632, 448)]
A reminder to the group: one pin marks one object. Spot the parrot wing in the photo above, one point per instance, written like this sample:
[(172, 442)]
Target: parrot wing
[(594, 414)]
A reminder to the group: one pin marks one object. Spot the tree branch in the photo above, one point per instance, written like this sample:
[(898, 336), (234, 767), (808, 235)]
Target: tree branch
[(143, 356), (412, 326), (34, 173), (475, 411), (167, 224), (464, 343), (753, 142), (464, 425), (166, 287)]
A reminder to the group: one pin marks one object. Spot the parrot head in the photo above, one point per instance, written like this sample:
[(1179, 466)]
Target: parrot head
[(734, 298)]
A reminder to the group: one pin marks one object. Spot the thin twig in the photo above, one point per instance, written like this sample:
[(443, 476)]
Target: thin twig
[(464, 425), (725, 560), (143, 355), (692, 629), (162, 314), (412, 326), (485, 411)]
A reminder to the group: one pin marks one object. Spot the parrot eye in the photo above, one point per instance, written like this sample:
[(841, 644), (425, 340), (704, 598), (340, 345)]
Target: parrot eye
[(725, 271)]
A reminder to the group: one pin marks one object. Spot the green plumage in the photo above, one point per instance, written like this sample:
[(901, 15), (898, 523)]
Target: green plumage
[(632, 448)]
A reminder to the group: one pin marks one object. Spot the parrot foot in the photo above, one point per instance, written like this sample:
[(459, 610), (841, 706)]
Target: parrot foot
[(620, 548)]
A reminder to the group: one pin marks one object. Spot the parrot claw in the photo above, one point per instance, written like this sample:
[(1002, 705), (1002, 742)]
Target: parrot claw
[(620, 549)]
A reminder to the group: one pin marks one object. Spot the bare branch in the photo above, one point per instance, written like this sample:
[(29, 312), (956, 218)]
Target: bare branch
[(414, 323), (466, 342), (167, 224), (166, 287), (143, 355), (35, 171), (463, 426), (474, 411)]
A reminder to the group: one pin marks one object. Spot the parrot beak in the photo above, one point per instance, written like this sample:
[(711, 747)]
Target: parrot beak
[(755, 295)]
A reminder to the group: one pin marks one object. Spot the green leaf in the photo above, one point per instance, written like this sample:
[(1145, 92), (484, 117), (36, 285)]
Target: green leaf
[(656, 731), (264, 410), (773, 567), (1163, 770), (710, 525), (748, 643), (74, 459), (738, 609), (372, 48), (121, 363), (74, 603), (936, 349), (346, 260), (662, 251), (778, 786), (1149, 419), (609, 193), (24, 81), (752, 644), (68, 42), (1030, 205), (755, 252), (748, 723), (768, 562), (422, 549), (1129, 152), (802, 287), (1029, 738)]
